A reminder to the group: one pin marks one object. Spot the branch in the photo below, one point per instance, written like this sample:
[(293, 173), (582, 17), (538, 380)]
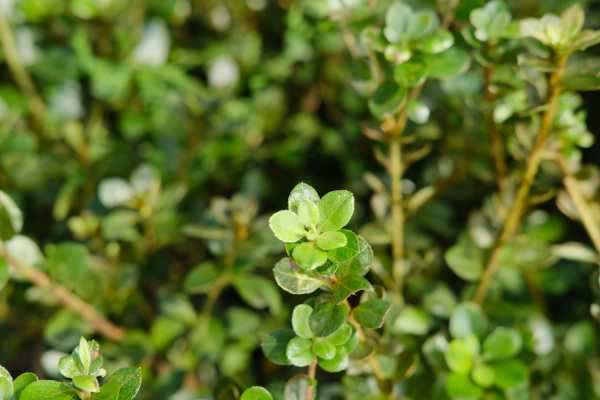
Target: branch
[(585, 214), (312, 373), (69, 300), (496, 141), (513, 220), (20, 74)]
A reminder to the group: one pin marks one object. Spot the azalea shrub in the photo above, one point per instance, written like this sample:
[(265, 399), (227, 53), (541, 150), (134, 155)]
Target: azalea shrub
[(299, 199)]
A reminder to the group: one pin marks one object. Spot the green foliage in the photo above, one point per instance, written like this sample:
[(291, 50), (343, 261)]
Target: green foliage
[(146, 149), (83, 369)]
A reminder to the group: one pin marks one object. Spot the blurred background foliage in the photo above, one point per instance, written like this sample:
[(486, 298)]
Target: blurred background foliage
[(146, 140)]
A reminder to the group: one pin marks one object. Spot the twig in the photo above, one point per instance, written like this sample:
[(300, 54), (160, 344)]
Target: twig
[(496, 141), (312, 373), (513, 220), (591, 225), (20, 74), (64, 296)]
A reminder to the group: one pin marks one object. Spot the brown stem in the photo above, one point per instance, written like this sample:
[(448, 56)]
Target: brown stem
[(585, 214), (397, 210), (312, 374), (20, 74), (513, 220), (69, 300), (496, 142)]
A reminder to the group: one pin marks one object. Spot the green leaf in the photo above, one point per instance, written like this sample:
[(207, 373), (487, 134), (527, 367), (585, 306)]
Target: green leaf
[(6, 384), (308, 256), (459, 356), (349, 251), (84, 355), (436, 42), (397, 20), (302, 192), (412, 320), (336, 364), (448, 64), (165, 330), (299, 352), (483, 375), (331, 240), (327, 317), (124, 384), (3, 273), (300, 317), (274, 346), (86, 383), (20, 383), (11, 219), (71, 265), (296, 388), (410, 73), (386, 99), (491, 21), (466, 320), (460, 387), (308, 211), (371, 313), (502, 343), (355, 258), (422, 23), (294, 280), (201, 279), (440, 301), (335, 210), (510, 374), (68, 367), (287, 226), (256, 393), (257, 291), (583, 73), (48, 390), (323, 348), (348, 285), (341, 336), (586, 39), (465, 259)]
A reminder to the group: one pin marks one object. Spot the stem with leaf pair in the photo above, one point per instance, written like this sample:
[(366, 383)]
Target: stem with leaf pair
[(513, 220)]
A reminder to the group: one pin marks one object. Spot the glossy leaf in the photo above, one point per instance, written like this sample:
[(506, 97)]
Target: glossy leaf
[(293, 279), (348, 285), (274, 346), (287, 226), (327, 317), (371, 313), (299, 352), (335, 210), (308, 256), (300, 318), (256, 393)]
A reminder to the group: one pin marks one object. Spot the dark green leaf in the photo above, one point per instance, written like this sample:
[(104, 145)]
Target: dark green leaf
[(348, 285), (201, 279), (327, 317), (371, 313), (122, 385), (275, 344), (259, 292), (387, 99)]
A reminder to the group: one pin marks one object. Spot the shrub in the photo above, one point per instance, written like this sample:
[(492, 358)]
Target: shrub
[(146, 145)]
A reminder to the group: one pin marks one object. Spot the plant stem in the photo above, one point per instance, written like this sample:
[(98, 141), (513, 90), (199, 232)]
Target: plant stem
[(585, 214), (496, 142), (513, 220), (20, 74), (64, 296), (397, 210), (312, 373)]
